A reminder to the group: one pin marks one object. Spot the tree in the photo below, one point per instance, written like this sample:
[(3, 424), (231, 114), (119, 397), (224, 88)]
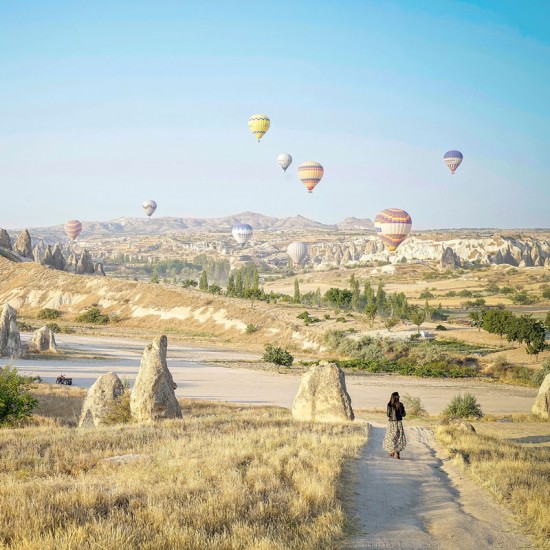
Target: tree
[(155, 279), (318, 297), (371, 311), (252, 295), (476, 317), (339, 298), (239, 286), (380, 296), (277, 355), (547, 321), (15, 400), (368, 293), (391, 322), (203, 281), (356, 293), (231, 285), (546, 293), (296, 298), (417, 317)]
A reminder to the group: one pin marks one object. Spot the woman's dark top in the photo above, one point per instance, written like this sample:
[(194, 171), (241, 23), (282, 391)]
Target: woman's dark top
[(398, 414)]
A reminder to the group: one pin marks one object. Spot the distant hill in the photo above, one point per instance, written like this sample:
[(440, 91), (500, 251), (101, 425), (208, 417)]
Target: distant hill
[(158, 225), (355, 224)]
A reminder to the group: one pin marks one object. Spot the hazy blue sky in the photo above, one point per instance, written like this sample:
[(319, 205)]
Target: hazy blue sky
[(104, 104)]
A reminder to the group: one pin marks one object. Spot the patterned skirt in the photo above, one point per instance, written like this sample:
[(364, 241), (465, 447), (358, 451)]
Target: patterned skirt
[(395, 440)]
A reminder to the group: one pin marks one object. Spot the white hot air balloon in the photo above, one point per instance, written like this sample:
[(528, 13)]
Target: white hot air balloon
[(242, 233), (149, 207), (297, 252), (284, 160)]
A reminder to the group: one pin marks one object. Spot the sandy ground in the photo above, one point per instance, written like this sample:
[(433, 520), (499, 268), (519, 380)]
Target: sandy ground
[(86, 358), (421, 502)]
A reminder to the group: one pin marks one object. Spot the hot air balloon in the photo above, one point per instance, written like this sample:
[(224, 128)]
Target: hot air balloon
[(284, 160), (297, 252), (242, 233), (453, 159), (149, 207), (310, 173), (392, 226), (72, 229), (259, 125)]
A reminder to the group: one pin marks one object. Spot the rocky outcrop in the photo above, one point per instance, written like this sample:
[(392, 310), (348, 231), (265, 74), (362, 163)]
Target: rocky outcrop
[(98, 270), (70, 265), (47, 257), (38, 254), (153, 396), (58, 258), (541, 406), (85, 265), (23, 245), (10, 341), (449, 260), (43, 340), (323, 396), (100, 400), (5, 241), (462, 425)]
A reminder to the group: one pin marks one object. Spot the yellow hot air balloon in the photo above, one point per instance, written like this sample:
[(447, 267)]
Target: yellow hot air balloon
[(259, 125), (310, 173)]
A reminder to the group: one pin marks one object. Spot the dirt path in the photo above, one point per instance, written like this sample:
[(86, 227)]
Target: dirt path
[(421, 502)]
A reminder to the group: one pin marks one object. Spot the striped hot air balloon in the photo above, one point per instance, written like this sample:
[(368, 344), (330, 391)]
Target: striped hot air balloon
[(453, 160), (149, 207), (284, 160), (242, 233), (259, 125), (310, 173), (297, 252), (72, 229), (392, 226)]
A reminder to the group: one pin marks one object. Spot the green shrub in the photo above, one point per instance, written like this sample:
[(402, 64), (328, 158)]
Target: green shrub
[(251, 328), (340, 319), (413, 405), (327, 316), (48, 313), (24, 326), (118, 411), (93, 315), (277, 355), (440, 327), (415, 336), (16, 402), (463, 406), (54, 327)]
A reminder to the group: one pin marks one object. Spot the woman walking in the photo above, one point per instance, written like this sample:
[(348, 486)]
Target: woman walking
[(395, 442)]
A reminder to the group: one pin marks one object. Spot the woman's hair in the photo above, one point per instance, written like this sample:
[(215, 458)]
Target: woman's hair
[(394, 400)]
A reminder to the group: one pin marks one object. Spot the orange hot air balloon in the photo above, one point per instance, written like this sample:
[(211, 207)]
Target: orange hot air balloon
[(392, 226), (310, 173)]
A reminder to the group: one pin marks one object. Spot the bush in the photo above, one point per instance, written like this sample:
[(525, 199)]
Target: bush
[(251, 328), (118, 411), (413, 405), (16, 402), (415, 336), (54, 327), (277, 355), (440, 327), (340, 319), (463, 406), (48, 313), (189, 283), (24, 327), (93, 315), (327, 316)]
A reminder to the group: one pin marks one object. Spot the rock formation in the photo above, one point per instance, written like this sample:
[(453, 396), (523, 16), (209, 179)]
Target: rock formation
[(47, 257), (98, 270), (38, 254), (153, 396), (23, 245), (449, 260), (541, 406), (5, 241), (10, 341), (462, 425), (70, 265), (322, 396), (85, 265), (100, 400), (58, 258), (43, 340)]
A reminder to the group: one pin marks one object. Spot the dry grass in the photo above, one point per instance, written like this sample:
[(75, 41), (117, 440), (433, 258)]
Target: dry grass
[(516, 475), (223, 477)]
